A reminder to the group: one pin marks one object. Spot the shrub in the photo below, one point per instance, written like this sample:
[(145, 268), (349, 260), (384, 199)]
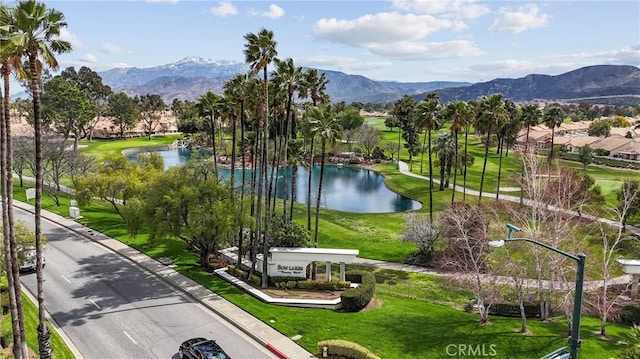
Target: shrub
[(630, 314), (291, 284), (355, 299), (343, 348), (323, 285), (513, 310), (273, 281)]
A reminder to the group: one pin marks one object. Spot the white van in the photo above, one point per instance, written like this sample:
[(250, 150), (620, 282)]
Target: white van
[(27, 259)]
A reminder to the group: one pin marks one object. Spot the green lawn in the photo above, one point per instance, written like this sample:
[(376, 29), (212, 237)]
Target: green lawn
[(60, 349), (99, 148)]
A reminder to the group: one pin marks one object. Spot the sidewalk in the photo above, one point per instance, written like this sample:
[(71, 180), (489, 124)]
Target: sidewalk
[(281, 346)]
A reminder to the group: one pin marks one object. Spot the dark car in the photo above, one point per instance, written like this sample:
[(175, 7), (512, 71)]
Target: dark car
[(201, 348)]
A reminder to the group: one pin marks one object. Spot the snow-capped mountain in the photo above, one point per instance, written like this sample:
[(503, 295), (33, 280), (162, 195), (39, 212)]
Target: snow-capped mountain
[(191, 66)]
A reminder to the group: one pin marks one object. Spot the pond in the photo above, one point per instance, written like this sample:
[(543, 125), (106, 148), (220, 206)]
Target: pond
[(344, 188)]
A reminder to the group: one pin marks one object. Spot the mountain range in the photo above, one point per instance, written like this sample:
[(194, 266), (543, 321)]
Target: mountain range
[(192, 76)]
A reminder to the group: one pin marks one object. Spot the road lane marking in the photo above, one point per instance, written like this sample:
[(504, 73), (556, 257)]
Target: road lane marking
[(65, 278), (129, 336), (94, 303)]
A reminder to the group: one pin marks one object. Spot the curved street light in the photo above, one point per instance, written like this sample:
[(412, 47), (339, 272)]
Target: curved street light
[(574, 340)]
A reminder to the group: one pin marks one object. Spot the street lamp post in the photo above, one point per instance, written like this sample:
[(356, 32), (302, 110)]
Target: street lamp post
[(574, 340)]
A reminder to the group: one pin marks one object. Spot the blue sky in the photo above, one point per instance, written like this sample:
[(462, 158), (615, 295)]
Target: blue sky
[(402, 40)]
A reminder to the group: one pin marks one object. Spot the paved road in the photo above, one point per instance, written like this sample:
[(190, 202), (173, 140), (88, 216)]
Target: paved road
[(112, 308)]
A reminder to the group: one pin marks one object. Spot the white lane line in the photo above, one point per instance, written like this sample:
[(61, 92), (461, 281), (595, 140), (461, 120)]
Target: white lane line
[(65, 278), (94, 303), (129, 336)]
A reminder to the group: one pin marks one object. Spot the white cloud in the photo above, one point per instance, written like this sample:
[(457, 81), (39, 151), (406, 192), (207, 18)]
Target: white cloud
[(381, 35), (341, 63), (625, 56), (415, 50), (89, 58), (224, 9), (274, 12), (66, 35), (110, 48), (466, 9), (380, 28), (524, 18)]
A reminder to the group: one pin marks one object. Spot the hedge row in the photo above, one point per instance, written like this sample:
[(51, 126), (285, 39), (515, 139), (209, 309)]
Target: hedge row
[(604, 161), (357, 298), (290, 282), (233, 270), (345, 349), (630, 314), (313, 285), (531, 310)]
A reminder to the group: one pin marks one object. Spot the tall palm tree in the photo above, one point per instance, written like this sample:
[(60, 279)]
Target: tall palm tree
[(458, 114), (506, 135), (296, 158), (208, 104), (290, 77), (259, 51), (531, 116), (316, 86), (37, 38), (489, 116), (327, 127), (11, 60), (428, 111), (553, 118)]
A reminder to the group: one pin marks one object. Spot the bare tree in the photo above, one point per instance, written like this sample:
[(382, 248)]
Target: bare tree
[(546, 219), (466, 230), (612, 236), (423, 234), (368, 138)]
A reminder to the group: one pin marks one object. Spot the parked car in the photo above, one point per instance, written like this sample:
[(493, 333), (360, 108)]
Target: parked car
[(201, 348)]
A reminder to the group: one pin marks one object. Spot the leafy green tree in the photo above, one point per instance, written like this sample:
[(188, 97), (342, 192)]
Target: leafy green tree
[(117, 181), (191, 203), (89, 81), (68, 107), (403, 112), (585, 156), (600, 128), (284, 233), (36, 36), (124, 111), (150, 107)]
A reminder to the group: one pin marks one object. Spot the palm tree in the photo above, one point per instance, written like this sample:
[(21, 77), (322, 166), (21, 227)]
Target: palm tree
[(11, 60), (531, 116), (259, 51), (404, 111), (553, 118), (37, 38), (296, 158), (458, 114), (290, 78), (326, 126), (444, 148), (490, 114), (208, 105), (316, 86), (428, 114), (507, 133)]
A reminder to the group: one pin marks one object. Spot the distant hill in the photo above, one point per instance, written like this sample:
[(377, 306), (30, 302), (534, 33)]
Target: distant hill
[(192, 76), (598, 83)]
